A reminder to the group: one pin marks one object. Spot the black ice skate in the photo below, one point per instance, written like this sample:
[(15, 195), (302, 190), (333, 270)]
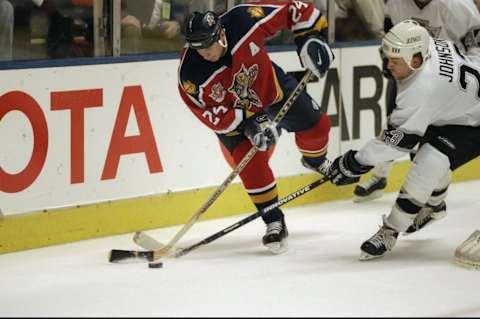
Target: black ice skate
[(380, 243), (426, 216), (275, 238), (321, 169), (372, 188)]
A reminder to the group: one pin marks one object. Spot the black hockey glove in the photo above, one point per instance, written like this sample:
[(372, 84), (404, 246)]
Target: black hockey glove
[(261, 131), (346, 170), (315, 54)]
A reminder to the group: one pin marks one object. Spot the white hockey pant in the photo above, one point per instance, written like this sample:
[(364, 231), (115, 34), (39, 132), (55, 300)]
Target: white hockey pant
[(430, 171)]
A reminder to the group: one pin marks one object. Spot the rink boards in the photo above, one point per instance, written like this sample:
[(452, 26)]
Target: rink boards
[(97, 150)]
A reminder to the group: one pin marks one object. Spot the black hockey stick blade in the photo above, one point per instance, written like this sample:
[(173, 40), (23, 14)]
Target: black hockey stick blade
[(119, 255)]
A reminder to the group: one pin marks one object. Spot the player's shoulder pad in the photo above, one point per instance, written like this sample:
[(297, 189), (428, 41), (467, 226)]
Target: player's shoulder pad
[(194, 71), (241, 18)]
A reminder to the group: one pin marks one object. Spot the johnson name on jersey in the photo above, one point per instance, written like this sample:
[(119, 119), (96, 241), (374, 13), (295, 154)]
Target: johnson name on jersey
[(223, 93)]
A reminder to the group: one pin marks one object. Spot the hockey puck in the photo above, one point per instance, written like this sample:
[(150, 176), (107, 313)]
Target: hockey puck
[(155, 265)]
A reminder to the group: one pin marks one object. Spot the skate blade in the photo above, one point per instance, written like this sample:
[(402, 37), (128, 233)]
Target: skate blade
[(277, 248), (364, 256), (372, 196)]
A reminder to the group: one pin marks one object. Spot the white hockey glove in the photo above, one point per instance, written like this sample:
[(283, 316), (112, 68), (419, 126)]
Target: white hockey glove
[(261, 131), (315, 55)]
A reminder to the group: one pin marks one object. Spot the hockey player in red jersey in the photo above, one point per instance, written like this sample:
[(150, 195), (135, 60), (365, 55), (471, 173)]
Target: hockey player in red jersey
[(228, 81)]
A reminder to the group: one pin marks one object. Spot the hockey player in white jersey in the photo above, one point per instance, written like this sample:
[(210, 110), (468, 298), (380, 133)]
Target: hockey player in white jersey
[(438, 108), (454, 20)]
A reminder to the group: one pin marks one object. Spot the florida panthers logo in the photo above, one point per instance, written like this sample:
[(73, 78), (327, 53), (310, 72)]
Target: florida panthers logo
[(218, 93), (242, 88)]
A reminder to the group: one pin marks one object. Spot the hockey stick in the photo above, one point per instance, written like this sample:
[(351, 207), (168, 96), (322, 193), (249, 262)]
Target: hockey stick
[(117, 255), (149, 243), (157, 254), (183, 251)]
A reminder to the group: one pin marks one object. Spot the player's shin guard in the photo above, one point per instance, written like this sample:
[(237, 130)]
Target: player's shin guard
[(427, 182), (426, 174), (259, 182), (313, 143)]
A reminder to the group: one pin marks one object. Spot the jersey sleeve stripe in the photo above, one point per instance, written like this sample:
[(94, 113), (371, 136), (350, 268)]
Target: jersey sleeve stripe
[(319, 25), (310, 23)]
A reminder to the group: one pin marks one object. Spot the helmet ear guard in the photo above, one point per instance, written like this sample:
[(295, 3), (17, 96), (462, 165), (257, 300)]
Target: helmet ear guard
[(202, 29), (405, 40)]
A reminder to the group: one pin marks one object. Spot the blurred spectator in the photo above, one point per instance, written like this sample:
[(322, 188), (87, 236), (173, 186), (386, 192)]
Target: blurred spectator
[(131, 29), (70, 29), (70, 32), (161, 30), (218, 6), (146, 26), (160, 24), (6, 30), (356, 19)]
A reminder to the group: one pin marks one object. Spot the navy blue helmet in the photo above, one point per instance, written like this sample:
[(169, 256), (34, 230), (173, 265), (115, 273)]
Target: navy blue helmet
[(202, 29)]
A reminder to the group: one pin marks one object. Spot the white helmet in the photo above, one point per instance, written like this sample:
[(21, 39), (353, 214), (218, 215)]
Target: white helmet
[(406, 39)]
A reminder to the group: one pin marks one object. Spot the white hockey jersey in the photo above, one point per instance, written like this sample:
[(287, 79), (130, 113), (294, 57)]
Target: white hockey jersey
[(454, 20), (445, 91)]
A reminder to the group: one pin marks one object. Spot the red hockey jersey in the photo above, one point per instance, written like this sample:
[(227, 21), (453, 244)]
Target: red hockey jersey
[(223, 93)]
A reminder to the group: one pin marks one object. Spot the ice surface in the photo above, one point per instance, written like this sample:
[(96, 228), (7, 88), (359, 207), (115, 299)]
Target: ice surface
[(235, 276)]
